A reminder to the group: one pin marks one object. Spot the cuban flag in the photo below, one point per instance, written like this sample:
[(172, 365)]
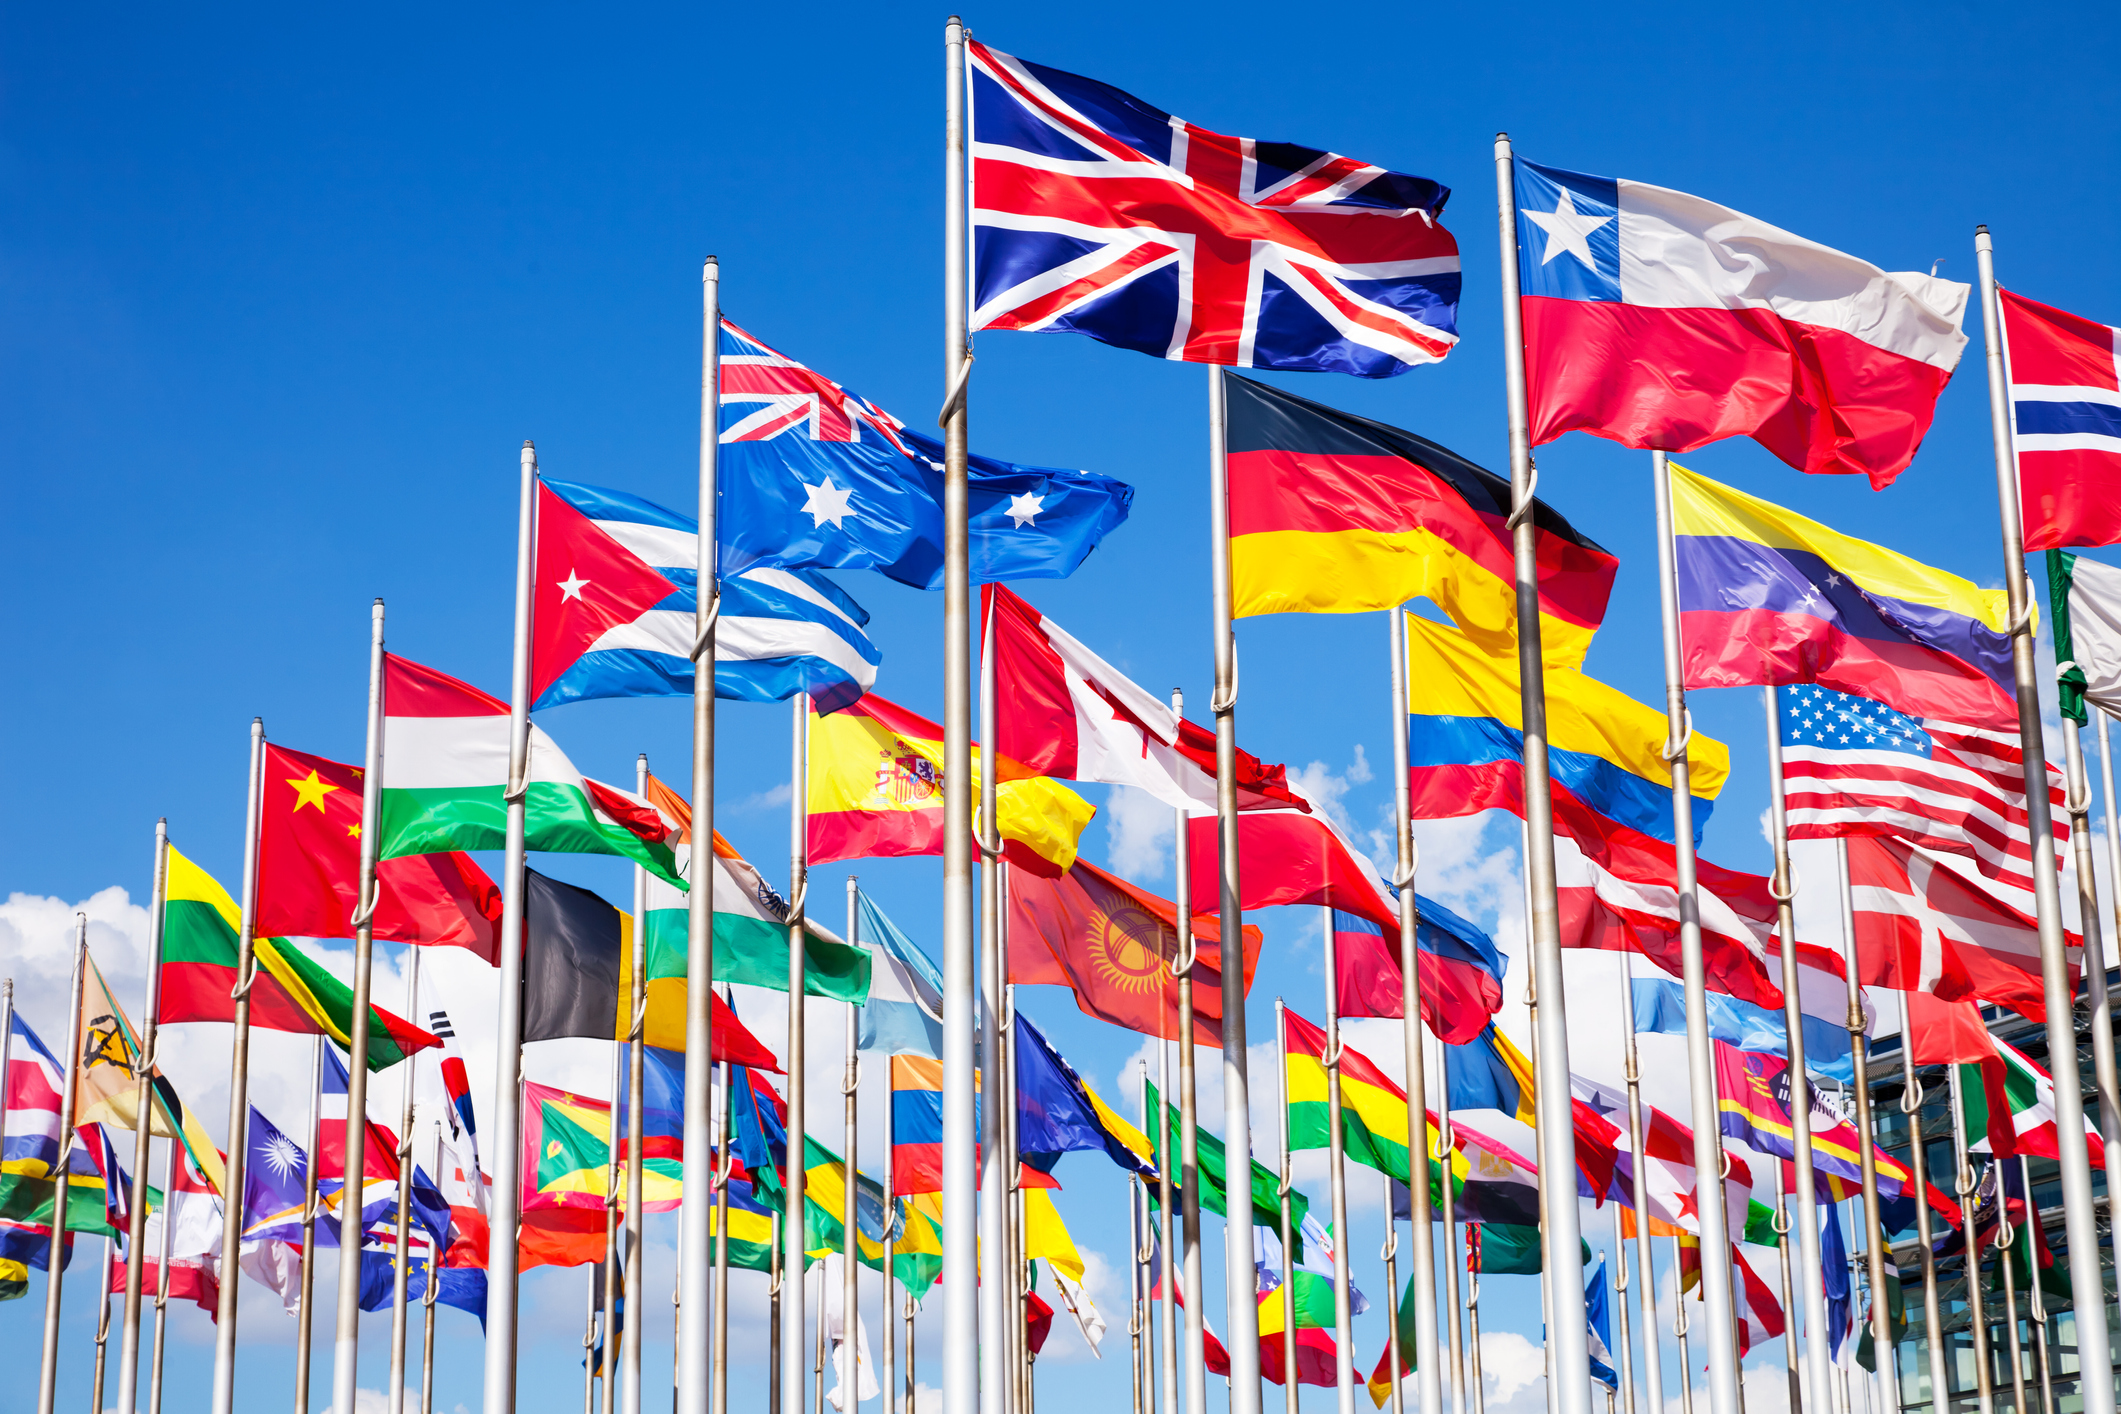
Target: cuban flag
[(2065, 384), (614, 604), (1659, 320), (812, 474)]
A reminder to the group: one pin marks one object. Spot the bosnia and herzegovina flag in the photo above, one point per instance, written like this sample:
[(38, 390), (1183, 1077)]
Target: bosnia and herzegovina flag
[(1768, 596), (1333, 513)]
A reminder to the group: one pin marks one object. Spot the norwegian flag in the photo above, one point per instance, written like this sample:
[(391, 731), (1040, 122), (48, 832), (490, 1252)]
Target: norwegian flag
[(1097, 214)]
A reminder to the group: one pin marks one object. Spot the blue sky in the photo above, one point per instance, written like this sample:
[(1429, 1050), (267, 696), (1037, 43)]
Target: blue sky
[(282, 292)]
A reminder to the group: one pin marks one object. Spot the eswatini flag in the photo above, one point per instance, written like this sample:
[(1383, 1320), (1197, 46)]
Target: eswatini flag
[(1769, 596), (1658, 319), (200, 924), (1331, 513)]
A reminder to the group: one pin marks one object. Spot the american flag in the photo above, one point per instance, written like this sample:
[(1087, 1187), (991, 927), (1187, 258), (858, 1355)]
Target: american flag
[(1851, 766)]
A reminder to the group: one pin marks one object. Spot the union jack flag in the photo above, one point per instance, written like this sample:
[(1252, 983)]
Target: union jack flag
[(1098, 214)]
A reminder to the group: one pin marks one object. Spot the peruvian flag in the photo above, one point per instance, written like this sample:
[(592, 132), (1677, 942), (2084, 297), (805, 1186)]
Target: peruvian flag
[(1759, 1313), (1060, 710)]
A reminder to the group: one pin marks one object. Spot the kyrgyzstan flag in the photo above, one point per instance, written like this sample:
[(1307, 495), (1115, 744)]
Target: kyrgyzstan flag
[(309, 867)]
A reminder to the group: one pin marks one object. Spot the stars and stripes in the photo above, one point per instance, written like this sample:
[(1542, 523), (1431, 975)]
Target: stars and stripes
[(1095, 213), (1851, 766)]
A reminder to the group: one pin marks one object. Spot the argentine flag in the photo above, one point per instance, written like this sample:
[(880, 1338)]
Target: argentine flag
[(614, 598)]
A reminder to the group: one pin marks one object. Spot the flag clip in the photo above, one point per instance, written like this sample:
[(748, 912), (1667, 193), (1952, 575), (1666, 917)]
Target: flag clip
[(1531, 488), (714, 613), (1686, 737), (955, 403)]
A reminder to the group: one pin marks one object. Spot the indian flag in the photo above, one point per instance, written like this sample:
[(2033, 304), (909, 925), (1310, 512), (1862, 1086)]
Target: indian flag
[(750, 921), (2010, 1102), (445, 771)]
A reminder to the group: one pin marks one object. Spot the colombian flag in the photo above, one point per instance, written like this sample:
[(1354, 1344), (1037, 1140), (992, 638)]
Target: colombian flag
[(1335, 514), (876, 788), (1767, 596)]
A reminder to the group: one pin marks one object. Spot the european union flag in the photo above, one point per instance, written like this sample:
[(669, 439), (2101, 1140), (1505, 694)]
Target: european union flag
[(812, 474)]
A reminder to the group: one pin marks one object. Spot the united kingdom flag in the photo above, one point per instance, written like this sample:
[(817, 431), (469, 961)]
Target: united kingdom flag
[(1098, 214)]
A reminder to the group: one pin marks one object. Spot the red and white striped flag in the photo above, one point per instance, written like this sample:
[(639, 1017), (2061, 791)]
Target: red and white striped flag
[(1851, 766)]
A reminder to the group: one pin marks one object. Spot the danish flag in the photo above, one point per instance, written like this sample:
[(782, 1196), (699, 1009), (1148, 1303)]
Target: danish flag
[(1097, 214)]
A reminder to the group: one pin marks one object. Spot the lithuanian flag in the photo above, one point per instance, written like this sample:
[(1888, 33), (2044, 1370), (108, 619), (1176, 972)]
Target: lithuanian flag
[(200, 924), (1373, 1111)]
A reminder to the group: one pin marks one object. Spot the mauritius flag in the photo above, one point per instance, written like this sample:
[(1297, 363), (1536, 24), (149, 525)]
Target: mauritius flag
[(200, 925)]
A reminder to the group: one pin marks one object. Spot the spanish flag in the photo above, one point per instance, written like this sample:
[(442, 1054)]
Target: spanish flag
[(1336, 514), (876, 788)]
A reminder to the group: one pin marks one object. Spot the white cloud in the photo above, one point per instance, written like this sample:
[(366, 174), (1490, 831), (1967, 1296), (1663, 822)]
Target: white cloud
[(1328, 788), (1138, 834)]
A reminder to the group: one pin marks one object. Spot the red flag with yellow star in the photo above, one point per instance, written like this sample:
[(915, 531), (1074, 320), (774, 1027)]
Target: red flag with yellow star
[(309, 868)]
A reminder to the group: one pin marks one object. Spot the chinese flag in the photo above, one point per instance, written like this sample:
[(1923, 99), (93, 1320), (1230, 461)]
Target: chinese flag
[(1113, 943), (309, 868)]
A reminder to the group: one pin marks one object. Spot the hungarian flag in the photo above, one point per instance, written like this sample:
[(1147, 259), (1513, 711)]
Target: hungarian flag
[(876, 789), (309, 868), (445, 770), (1113, 944), (293, 992)]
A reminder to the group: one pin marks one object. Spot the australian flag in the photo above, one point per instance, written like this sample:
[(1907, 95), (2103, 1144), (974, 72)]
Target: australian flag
[(812, 474), (1095, 213)]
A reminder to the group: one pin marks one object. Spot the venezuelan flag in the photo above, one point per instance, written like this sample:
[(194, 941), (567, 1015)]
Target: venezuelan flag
[(1336, 514), (876, 788), (1466, 745), (1767, 596), (1374, 1115)]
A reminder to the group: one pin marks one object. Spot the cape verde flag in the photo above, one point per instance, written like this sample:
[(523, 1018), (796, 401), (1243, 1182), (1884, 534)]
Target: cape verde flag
[(812, 474), (1095, 213), (614, 600)]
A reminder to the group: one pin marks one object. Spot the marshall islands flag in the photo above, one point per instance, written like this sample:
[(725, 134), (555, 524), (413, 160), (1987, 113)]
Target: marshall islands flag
[(1767, 596)]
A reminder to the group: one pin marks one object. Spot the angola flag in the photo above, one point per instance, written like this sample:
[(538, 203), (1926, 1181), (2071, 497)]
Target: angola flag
[(200, 924)]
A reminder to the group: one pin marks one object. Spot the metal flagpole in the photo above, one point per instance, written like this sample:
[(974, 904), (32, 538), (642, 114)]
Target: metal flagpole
[(1626, 1350), (725, 1165), (589, 1341), (224, 1388), (129, 1333), (1390, 1254), (1964, 1184), (427, 1303), (1281, 1188), (1652, 1347), (1446, 1153), (1874, 1230), (2079, 1208), (1336, 1181), (1480, 1393), (2004, 1238), (345, 1371), (102, 1327), (1187, 1279), (171, 1159), (1919, 1165), (694, 1264), (1681, 1325), (995, 1185), (1167, 1306), (612, 1200), (399, 1312), (1568, 1334), (637, 1003), (1810, 1274), (305, 1314), (906, 1399), (1717, 1302), (817, 1368), (773, 1317), (893, 1221), (1238, 1281), (1016, 1339), (850, 1301), (1422, 1257), (2078, 803), (2036, 1302), (960, 1278), (1782, 1223), (55, 1265), (1134, 1290), (793, 1178), (2099, 999)]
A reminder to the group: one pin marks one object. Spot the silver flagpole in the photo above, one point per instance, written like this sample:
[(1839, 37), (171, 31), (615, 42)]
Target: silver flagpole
[(1645, 1275), (1819, 1368), (607, 1371), (2079, 1208), (1390, 1253), (888, 1328), (399, 1311), (850, 1296), (1336, 1181), (1782, 1223), (55, 1264), (996, 1184), (1964, 1184), (1716, 1298), (1187, 1278), (1167, 1312), (102, 1327), (1567, 1341), (2035, 1301), (1421, 1258), (2109, 1126), (136, 1229), (500, 1301), (1239, 1285), (792, 1179), (305, 1314), (2102, 1024), (1134, 1293), (1919, 1167), (1626, 1350), (224, 1393), (589, 1341), (506, 1216), (694, 1227), (630, 1345), (724, 1166), (1681, 1325), (1445, 1153), (2010, 1302), (171, 1159), (1874, 1230), (1473, 1375), (427, 1303), (1288, 1237), (960, 1278)]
